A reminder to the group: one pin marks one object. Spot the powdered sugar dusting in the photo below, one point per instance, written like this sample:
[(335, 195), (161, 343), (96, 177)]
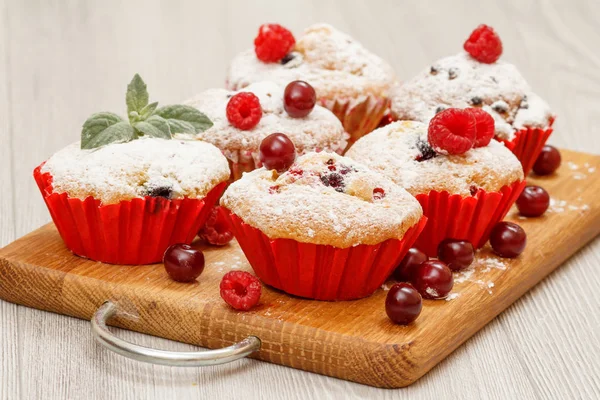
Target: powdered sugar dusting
[(331, 61), (314, 212), (394, 151), (559, 206), (319, 130), (461, 81), (452, 296), (125, 171), (482, 268)]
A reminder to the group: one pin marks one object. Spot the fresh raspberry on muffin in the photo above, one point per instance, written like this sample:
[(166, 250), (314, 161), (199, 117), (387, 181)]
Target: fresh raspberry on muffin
[(273, 42), (484, 44)]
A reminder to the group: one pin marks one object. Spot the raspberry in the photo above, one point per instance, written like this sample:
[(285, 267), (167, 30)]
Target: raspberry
[(452, 131), (484, 125), (273, 42), (244, 111), (240, 290), (484, 45), (216, 231)]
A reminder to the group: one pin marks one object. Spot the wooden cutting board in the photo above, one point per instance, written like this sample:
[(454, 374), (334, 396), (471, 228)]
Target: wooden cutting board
[(349, 340)]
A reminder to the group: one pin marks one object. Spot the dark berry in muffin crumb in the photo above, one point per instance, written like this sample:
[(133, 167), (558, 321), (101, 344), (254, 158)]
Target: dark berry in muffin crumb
[(452, 73), (476, 101), (433, 70), (426, 151), (439, 109), (334, 180), (160, 191), (287, 58)]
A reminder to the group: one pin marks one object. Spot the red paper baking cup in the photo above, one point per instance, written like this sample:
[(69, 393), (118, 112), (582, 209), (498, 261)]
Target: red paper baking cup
[(136, 231), (527, 145), (359, 116), (321, 272), (466, 218)]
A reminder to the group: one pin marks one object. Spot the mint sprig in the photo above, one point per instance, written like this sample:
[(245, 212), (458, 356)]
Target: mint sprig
[(145, 119)]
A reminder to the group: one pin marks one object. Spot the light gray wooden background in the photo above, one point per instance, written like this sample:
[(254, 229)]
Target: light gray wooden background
[(62, 60)]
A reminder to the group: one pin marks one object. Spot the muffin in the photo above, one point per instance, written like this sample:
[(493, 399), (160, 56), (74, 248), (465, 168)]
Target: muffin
[(320, 130), (127, 191), (349, 80), (523, 120), (126, 203), (463, 195), (328, 228)]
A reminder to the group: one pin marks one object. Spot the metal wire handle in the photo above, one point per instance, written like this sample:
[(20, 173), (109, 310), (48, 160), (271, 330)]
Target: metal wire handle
[(165, 357)]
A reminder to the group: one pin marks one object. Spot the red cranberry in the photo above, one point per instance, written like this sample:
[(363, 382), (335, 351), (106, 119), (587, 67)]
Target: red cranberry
[(533, 201), (411, 260), (378, 194), (403, 303), (183, 263), (433, 279), (299, 99), (277, 152), (548, 161), (508, 239), (457, 254)]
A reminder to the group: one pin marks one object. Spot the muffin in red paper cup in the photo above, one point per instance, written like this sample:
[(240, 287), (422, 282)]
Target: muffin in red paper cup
[(475, 79), (463, 195), (349, 80), (127, 191), (328, 228), (239, 136)]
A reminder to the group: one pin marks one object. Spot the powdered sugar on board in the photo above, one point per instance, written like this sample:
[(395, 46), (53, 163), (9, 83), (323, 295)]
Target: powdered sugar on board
[(485, 267), (581, 172)]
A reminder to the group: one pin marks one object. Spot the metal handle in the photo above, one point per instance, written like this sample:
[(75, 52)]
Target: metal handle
[(164, 357)]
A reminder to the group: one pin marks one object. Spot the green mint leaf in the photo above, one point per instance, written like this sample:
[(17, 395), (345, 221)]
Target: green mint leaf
[(105, 128), (137, 96), (184, 119), (148, 110), (154, 126)]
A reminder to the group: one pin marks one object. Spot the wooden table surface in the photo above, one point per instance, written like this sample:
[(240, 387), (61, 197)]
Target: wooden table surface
[(61, 61)]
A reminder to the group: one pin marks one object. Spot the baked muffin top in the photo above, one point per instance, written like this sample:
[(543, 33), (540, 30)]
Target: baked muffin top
[(171, 169), (335, 64), (323, 199), (460, 81), (401, 152), (319, 130)]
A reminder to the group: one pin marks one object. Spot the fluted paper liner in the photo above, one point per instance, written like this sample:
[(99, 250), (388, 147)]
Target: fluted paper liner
[(359, 116), (466, 218), (136, 231), (321, 272), (527, 145)]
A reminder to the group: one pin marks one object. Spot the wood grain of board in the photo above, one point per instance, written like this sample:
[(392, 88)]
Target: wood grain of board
[(349, 340)]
